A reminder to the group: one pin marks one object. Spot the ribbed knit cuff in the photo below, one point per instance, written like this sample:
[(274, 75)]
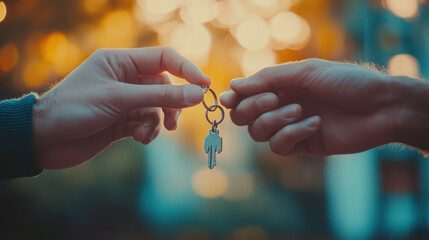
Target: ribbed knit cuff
[(16, 141)]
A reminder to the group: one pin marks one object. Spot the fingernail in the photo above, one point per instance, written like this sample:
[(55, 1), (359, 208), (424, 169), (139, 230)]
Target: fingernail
[(193, 94), (208, 79), (312, 122), (266, 102), (289, 112), (226, 95), (238, 81)]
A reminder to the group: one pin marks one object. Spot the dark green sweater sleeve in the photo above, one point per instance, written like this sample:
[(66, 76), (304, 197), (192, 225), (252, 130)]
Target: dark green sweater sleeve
[(16, 141)]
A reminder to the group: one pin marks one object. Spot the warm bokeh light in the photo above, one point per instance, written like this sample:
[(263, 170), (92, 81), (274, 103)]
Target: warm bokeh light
[(3, 11), (9, 57), (240, 186), (165, 190), (35, 73), (290, 30), (147, 17), (198, 11), (93, 6), (254, 61), (403, 64), (209, 183), (117, 29), (285, 27), (403, 8), (193, 41), (58, 50), (51, 44), (253, 33), (230, 12), (165, 31)]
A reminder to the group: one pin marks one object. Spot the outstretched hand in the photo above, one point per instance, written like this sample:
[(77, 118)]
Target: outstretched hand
[(321, 107), (114, 94)]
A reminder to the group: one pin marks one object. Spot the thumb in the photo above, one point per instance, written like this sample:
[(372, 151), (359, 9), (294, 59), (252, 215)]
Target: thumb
[(133, 96)]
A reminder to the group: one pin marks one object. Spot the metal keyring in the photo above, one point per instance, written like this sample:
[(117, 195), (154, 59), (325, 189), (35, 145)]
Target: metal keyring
[(205, 89), (209, 109)]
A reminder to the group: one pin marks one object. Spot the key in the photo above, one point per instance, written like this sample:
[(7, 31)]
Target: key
[(213, 144)]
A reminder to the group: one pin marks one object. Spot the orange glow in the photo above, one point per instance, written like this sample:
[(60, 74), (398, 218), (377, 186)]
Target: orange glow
[(8, 57), (3, 11), (33, 44), (117, 23), (198, 11), (117, 30), (254, 61), (93, 6), (403, 64), (253, 33), (35, 73), (51, 44), (59, 51), (403, 8), (209, 183), (193, 41)]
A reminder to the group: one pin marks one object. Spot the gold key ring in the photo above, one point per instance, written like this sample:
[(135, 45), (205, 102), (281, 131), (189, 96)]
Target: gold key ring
[(215, 106)]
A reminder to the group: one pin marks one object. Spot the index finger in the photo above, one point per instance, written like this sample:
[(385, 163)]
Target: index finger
[(289, 75), (154, 60)]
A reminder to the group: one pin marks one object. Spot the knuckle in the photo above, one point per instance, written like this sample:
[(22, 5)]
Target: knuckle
[(103, 52), (235, 117), (264, 73), (152, 116), (168, 93), (275, 147), (169, 50), (164, 92), (255, 134), (264, 121), (314, 63), (311, 63)]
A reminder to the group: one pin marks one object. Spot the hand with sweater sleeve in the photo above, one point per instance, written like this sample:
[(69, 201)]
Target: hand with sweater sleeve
[(114, 94)]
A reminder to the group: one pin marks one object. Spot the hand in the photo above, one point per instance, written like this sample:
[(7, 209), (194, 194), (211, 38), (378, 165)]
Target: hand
[(321, 107), (114, 94)]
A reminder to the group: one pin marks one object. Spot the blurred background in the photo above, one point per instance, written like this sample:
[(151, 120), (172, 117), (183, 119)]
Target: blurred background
[(165, 190)]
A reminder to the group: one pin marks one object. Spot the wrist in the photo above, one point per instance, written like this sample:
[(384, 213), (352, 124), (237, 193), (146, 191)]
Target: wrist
[(411, 116)]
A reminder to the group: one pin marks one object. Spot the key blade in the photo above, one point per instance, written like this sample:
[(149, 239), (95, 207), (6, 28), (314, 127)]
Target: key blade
[(213, 159)]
